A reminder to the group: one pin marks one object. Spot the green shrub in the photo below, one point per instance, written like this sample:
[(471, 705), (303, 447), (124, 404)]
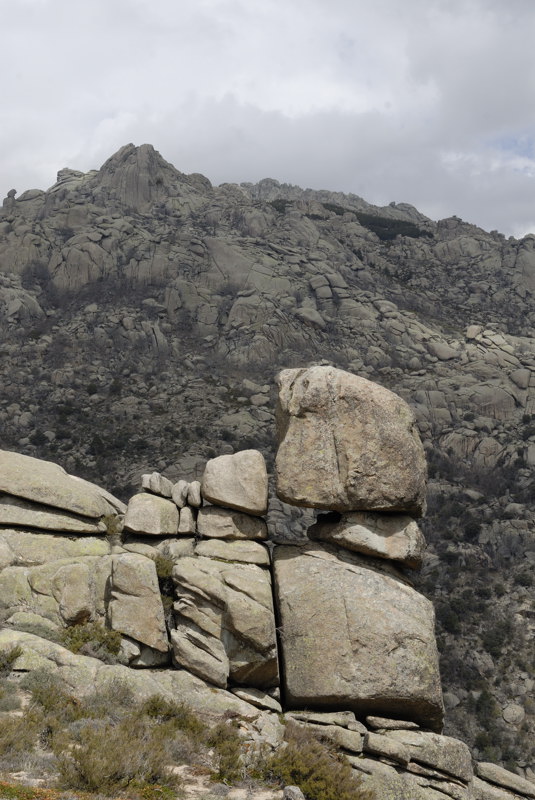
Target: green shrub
[(93, 639), (105, 757), (227, 743), (179, 715), (164, 566), (280, 204), (8, 658), (320, 773), (18, 737)]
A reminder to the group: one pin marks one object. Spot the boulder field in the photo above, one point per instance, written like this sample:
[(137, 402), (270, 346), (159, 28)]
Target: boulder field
[(327, 631)]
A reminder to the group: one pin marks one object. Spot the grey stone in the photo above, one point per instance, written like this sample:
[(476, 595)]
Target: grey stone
[(384, 723), (237, 481), (194, 494), (379, 745), (335, 656), (186, 522), (179, 493), (157, 484), (48, 483), (225, 622), (346, 444), (505, 779), (223, 523), (245, 551), (442, 752), (150, 514), (257, 698), (135, 607), (15, 511), (292, 793), (392, 536), (344, 719)]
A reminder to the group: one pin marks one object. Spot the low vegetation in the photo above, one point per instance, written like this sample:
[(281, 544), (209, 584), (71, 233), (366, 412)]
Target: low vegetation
[(92, 639), (320, 772), (111, 744)]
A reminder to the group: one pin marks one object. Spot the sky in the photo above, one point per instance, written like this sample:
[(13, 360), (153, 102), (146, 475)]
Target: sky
[(429, 102)]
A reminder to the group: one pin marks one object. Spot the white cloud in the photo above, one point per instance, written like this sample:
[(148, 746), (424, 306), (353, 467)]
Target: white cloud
[(427, 102)]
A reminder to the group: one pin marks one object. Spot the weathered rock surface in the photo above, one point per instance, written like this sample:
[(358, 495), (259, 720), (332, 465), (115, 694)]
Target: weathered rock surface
[(222, 523), (47, 483), (135, 608), (355, 637), (442, 752), (15, 511), (244, 551), (499, 776), (391, 536), (237, 481), (346, 444), (225, 623), (85, 675), (150, 514)]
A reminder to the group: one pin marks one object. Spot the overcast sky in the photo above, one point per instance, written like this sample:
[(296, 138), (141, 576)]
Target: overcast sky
[(430, 102)]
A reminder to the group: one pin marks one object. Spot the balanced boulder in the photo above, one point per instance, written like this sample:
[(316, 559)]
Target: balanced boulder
[(346, 444)]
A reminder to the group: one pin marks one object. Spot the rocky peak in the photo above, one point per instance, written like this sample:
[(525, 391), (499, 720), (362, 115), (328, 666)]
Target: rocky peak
[(137, 177)]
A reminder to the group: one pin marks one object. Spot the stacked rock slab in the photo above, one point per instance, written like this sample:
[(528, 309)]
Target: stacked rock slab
[(59, 566), (224, 621), (355, 634)]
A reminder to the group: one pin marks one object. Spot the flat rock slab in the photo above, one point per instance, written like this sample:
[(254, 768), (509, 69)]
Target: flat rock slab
[(346, 444), (245, 552), (237, 481), (441, 752), (507, 780), (223, 523), (16, 511), (393, 536), (49, 484), (355, 637)]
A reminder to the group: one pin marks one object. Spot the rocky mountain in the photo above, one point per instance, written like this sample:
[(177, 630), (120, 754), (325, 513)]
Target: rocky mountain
[(144, 313)]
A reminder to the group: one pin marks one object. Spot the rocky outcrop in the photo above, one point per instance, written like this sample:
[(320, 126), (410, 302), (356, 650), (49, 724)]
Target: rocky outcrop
[(224, 621), (346, 444), (47, 484), (355, 636), (357, 641)]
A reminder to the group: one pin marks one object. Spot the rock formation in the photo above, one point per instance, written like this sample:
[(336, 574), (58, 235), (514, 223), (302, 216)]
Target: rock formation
[(142, 309), (357, 647), (346, 444)]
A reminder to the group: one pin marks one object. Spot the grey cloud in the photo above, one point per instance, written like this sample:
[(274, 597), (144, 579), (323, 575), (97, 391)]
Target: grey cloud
[(392, 101)]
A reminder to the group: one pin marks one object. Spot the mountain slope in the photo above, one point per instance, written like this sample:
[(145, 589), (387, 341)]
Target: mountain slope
[(144, 313)]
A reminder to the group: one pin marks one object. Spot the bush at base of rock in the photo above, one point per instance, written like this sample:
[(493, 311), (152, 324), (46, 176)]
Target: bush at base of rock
[(93, 639), (317, 770)]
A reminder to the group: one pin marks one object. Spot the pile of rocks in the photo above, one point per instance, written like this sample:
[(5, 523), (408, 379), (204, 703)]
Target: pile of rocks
[(187, 582), (355, 634)]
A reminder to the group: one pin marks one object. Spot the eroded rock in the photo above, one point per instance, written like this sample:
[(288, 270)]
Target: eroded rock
[(346, 444), (237, 481), (355, 637)]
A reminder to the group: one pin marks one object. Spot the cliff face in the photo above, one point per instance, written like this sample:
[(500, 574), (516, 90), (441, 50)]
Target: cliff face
[(143, 310)]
